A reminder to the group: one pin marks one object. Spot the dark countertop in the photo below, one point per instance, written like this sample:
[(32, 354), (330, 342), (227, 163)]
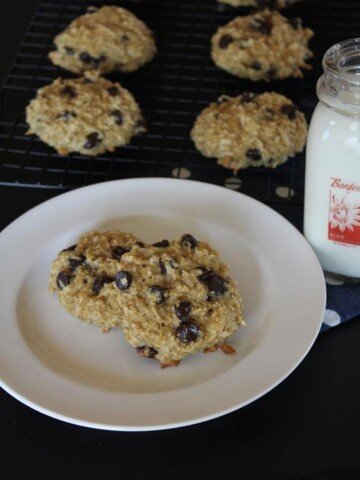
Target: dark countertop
[(310, 423)]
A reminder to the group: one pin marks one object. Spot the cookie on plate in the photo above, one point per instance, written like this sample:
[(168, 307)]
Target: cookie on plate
[(273, 4), (105, 39), (83, 276), (250, 130), (176, 298), (262, 46), (89, 115)]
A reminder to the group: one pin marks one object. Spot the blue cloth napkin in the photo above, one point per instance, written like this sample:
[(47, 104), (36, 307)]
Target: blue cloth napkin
[(343, 303)]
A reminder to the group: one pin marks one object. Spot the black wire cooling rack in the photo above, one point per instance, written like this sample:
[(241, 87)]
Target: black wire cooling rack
[(171, 90)]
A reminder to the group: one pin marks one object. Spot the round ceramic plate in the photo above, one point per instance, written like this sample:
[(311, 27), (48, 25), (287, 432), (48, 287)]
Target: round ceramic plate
[(69, 370)]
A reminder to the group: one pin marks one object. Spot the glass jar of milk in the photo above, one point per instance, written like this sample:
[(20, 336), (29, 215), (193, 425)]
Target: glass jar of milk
[(332, 181)]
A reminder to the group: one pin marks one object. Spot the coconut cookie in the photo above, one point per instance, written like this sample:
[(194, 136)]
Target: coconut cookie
[(272, 4), (262, 46), (105, 39), (83, 276), (176, 298), (90, 115), (250, 130)]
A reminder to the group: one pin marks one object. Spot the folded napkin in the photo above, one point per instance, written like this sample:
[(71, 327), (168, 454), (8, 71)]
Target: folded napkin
[(343, 303)]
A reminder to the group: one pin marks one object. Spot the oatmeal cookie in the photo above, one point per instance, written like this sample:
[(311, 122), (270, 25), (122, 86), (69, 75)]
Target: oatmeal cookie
[(262, 46), (90, 115), (250, 130), (105, 39)]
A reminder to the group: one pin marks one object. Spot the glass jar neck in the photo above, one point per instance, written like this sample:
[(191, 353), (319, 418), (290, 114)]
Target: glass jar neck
[(339, 87)]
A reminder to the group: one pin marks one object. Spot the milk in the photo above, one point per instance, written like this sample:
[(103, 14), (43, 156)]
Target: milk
[(332, 182)]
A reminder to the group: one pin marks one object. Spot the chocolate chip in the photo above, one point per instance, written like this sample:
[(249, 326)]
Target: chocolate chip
[(118, 252), (63, 279), (99, 282), (92, 140), (123, 280), (85, 57), (187, 332), (225, 41), (263, 26), (146, 352), (253, 154), (68, 91), (162, 244), (140, 244), (118, 116), (67, 115), (272, 72), (247, 97), (206, 274), (69, 50), (75, 262), (188, 241), (159, 293), (182, 311), (217, 286), (256, 66), (296, 22), (70, 249), (162, 267), (289, 111), (125, 38), (113, 91)]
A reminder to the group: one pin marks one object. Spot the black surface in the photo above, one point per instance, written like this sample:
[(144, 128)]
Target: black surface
[(310, 423)]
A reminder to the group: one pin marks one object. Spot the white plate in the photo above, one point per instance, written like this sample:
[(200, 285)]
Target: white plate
[(71, 371)]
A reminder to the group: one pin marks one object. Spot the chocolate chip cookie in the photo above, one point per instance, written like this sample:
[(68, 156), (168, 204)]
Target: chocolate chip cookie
[(171, 299), (250, 130), (272, 4), (89, 115), (105, 39), (262, 46)]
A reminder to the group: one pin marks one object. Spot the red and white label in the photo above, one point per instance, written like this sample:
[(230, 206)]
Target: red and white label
[(344, 212)]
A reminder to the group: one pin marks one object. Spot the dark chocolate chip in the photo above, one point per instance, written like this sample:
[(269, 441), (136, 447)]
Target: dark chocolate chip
[(206, 274), (187, 332), (296, 22), (289, 111), (123, 280), (63, 279), (125, 38), (69, 50), (118, 116), (159, 293), (99, 282), (85, 57), (162, 267), (118, 252), (162, 244), (68, 91), (225, 41), (188, 241), (92, 140), (67, 115), (146, 352), (113, 91), (183, 310), (263, 26), (253, 154), (256, 66), (140, 244), (247, 97), (217, 285), (70, 249), (75, 262)]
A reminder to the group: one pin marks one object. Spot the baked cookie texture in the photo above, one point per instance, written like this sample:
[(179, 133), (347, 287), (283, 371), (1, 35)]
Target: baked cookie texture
[(272, 4), (105, 39), (250, 130), (89, 115), (262, 46), (171, 299)]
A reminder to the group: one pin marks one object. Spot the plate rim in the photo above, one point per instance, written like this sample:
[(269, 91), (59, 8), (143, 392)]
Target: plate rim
[(192, 421)]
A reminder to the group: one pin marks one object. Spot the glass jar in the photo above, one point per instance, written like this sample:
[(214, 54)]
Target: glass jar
[(332, 180)]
